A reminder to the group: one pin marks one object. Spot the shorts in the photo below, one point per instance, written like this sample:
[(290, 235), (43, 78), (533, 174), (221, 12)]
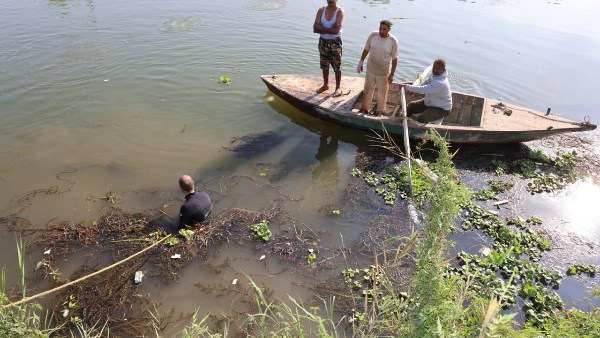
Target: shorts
[(330, 52)]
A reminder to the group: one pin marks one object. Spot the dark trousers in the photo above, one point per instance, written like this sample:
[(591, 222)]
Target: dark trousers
[(423, 113)]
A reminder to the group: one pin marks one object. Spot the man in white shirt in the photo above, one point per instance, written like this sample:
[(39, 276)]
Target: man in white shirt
[(437, 102), (382, 48)]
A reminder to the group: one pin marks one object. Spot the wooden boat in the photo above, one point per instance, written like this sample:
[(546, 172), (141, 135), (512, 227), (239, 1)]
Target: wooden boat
[(473, 119)]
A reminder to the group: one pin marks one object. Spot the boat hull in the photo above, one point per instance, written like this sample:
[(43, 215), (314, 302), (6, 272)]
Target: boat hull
[(327, 108)]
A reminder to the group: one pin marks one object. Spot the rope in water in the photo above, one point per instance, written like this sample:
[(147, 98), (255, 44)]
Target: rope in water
[(39, 295)]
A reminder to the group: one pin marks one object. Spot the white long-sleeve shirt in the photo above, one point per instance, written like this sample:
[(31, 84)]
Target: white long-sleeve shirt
[(437, 91)]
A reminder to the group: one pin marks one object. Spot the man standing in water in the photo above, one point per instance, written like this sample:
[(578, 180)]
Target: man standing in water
[(437, 103), (328, 24), (383, 49), (197, 206)]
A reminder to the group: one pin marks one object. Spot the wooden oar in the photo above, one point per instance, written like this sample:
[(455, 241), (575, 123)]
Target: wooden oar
[(424, 75)]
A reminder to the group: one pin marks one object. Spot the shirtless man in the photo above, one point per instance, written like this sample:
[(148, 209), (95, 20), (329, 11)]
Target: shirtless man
[(328, 23)]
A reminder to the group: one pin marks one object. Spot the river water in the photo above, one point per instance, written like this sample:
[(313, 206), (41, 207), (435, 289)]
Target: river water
[(124, 96)]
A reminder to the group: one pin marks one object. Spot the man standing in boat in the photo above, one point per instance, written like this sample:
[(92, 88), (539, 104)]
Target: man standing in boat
[(437, 103), (382, 48), (328, 24), (197, 206)]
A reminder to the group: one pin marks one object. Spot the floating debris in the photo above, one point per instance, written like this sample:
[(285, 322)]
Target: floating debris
[(181, 25), (267, 5), (138, 277)]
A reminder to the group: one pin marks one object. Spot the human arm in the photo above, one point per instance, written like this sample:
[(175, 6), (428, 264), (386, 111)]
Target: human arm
[(337, 26), (185, 218), (393, 70), (317, 27), (360, 68), (427, 88)]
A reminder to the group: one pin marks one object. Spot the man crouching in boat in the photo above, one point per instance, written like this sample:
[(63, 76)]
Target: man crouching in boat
[(197, 206), (437, 103)]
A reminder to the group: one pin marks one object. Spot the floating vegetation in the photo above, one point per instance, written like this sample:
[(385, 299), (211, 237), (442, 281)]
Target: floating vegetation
[(311, 256), (491, 193), (500, 167), (266, 5), (225, 79), (181, 25), (525, 279), (111, 197), (485, 194), (394, 182), (578, 269), (119, 234), (261, 231)]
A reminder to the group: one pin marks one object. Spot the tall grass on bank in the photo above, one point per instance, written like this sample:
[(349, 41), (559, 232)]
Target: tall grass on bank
[(21, 321), (439, 310)]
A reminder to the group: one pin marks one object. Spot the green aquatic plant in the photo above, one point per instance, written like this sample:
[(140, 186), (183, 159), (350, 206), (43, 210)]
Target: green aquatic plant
[(526, 167), (566, 163), (539, 156), (225, 79), (186, 234), (172, 241), (485, 194), (578, 269), (500, 167), (500, 186), (261, 231), (311, 256), (355, 172)]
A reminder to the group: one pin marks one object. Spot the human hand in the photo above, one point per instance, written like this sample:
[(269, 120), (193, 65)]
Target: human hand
[(390, 78), (359, 68)]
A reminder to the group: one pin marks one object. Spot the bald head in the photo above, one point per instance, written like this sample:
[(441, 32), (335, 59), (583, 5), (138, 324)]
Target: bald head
[(186, 183)]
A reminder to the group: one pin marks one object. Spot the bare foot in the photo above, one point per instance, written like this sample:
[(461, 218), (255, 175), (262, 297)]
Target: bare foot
[(337, 93), (322, 89)]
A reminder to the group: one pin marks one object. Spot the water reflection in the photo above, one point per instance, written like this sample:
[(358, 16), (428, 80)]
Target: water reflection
[(327, 172), (579, 207)]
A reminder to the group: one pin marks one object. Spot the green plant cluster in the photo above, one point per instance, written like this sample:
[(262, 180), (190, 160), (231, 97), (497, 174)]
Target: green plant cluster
[(362, 279), (394, 182), (20, 321), (491, 193), (527, 280), (364, 282), (523, 224), (578, 269), (546, 174), (261, 231), (523, 242), (186, 234), (225, 79), (311, 256)]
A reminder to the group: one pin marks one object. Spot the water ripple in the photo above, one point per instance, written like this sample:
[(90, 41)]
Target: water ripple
[(181, 25), (266, 5)]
